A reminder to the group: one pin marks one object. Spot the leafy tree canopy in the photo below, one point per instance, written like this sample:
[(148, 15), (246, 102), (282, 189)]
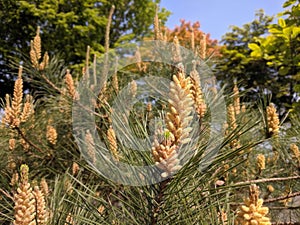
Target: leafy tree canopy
[(264, 56), (280, 51), (68, 27), (235, 62)]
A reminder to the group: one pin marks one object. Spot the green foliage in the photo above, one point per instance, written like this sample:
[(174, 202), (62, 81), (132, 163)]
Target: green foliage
[(236, 62), (280, 51), (265, 57), (194, 195), (68, 27)]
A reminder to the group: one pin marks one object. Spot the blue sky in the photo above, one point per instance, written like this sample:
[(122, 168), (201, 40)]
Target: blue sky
[(215, 16)]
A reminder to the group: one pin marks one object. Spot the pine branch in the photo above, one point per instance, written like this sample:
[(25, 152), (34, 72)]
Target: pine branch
[(286, 223), (282, 197), (27, 140), (283, 208), (266, 180), (51, 84), (158, 201)]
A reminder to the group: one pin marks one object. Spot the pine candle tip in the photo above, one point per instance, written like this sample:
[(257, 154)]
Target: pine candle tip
[(252, 211), (261, 161), (24, 171), (38, 30)]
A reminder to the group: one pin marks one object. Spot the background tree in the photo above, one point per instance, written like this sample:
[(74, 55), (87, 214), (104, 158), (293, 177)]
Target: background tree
[(68, 27), (264, 57), (190, 36), (236, 63), (280, 52)]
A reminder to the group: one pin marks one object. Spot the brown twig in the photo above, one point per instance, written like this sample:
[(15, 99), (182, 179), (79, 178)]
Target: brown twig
[(27, 140), (286, 223), (282, 197), (51, 84), (277, 199), (283, 208), (266, 180)]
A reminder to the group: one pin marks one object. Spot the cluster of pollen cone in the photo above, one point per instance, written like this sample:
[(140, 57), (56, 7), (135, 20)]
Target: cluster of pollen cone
[(185, 98), (30, 206), (252, 212), (165, 151)]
